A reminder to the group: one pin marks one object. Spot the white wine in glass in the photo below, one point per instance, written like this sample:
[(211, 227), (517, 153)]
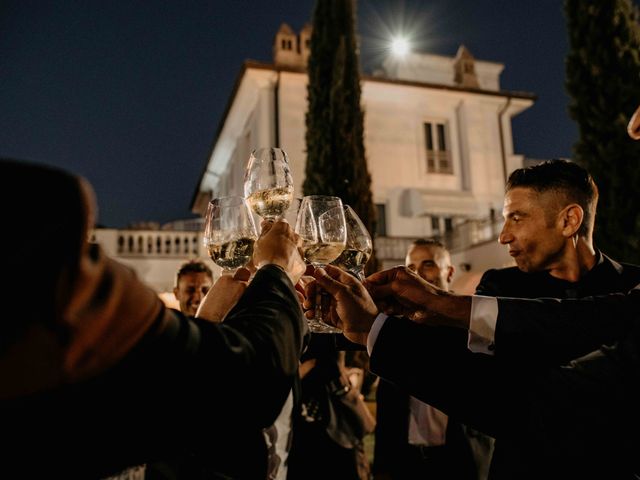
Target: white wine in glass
[(268, 185), (358, 248), (321, 226), (229, 233)]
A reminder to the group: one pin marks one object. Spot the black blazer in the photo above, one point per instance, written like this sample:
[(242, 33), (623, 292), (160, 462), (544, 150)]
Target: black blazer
[(576, 421), (521, 337), (190, 388)]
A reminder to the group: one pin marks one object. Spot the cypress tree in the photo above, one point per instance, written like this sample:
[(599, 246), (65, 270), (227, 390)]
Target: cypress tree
[(336, 163), (603, 80)]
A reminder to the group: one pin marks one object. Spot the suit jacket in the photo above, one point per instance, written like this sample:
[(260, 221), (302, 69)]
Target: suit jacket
[(98, 375), (606, 276), (392, 430), (575, 421)]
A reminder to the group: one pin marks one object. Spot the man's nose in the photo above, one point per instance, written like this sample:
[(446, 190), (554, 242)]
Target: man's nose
[(505, 236), (197, 296)]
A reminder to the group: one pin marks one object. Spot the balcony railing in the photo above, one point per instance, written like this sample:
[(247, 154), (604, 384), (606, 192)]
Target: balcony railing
[(158, 244), (463, 236), (149, 243)]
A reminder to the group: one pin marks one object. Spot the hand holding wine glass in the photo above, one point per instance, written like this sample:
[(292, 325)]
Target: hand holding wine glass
[(358, 248), (279, 245), (229, 233), (268, 185), (321, 226)]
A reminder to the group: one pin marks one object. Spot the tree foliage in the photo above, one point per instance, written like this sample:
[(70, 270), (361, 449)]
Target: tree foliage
[(603, 80), (336, 162)]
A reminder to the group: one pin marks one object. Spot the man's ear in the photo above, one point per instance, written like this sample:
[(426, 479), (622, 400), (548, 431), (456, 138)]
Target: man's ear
[(450, 273), (175, 291), (571, 217)]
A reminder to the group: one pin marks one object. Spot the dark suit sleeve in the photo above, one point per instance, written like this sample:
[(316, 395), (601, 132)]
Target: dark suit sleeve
[(564, 409), (559, 410), (557, 331), (245, 366), (434, 365)]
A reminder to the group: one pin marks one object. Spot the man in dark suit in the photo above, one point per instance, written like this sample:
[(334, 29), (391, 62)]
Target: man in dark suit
[(412, 438), (97, 375), (573, 421), (549, 212)]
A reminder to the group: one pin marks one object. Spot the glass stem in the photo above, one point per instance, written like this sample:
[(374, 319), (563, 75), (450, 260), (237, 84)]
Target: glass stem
[(318, 310)]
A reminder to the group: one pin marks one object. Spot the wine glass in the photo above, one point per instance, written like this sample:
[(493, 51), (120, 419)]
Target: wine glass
[(291, 215), (358, 248), (321, 226), (229, 232), (268, 185)]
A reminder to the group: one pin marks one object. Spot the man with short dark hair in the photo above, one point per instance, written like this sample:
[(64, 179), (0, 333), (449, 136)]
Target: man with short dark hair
[(549, 212), (193, 281), (570, 419)]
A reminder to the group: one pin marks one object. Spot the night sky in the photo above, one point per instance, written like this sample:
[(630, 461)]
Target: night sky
[(129, 94)]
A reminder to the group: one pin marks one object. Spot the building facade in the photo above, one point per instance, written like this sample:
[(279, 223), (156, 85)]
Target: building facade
[(437, 136)]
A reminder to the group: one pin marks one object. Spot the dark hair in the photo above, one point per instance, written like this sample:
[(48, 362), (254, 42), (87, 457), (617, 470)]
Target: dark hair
[(428, 242), (193, 266), (66, 236), (569, 179)]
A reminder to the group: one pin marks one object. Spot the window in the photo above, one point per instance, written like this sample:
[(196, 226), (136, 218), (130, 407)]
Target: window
[(435, 226), (436, 143), (448, 224)]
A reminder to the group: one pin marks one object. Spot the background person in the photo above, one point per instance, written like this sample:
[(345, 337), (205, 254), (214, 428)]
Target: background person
[(412, 438), (193, 281)]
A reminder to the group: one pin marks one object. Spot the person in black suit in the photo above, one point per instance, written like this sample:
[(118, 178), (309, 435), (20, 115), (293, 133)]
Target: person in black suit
[(412, 438), (578, 420), (549, 212), (96, 375)]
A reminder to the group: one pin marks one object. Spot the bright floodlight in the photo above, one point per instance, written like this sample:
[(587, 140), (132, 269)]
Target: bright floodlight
[(399, 46)]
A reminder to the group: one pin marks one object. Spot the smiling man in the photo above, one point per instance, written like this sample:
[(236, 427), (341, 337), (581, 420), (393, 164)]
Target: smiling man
[(549, 212), (193, 281)]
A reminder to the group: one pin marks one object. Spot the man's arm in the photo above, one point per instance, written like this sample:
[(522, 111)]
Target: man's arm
[(560, 330), (554, 330)]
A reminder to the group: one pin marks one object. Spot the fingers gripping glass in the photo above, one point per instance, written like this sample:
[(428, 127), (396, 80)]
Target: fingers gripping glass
[(229, 233), (268, 185), (321, 226)]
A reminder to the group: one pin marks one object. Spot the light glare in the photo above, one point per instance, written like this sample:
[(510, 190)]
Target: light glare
[(400, 46)]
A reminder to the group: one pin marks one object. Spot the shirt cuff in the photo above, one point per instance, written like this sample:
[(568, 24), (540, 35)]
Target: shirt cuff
[(375, 329), (482, 327)]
